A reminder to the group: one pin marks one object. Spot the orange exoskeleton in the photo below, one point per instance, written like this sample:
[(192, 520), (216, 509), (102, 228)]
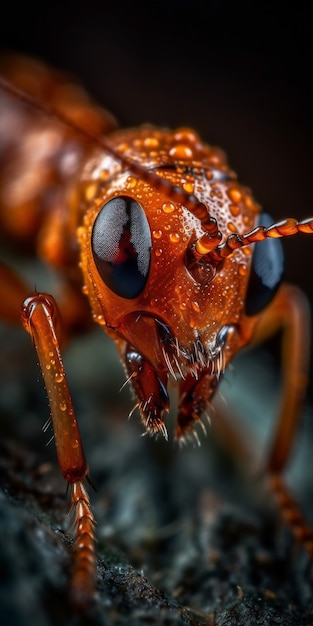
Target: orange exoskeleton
[(154, 228)]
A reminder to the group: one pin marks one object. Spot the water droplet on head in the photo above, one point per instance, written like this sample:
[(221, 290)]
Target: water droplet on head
[(186, 134), (157, 234), (231, 227), (131, 182), (234, 209), (235, 195), (122, 147), (151, 142), (174, 237), (181, 151), (91, 191), (188, 186), (251, 205), (242, 269), (168, 207)]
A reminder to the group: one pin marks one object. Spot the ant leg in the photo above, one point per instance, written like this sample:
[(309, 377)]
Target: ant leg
[(39, 316), (288, 313)]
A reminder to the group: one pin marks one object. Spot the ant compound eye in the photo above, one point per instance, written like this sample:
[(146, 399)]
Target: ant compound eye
[(266, 273), (121, 245)]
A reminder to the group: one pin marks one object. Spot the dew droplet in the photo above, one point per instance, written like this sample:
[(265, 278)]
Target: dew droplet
[(234, 209), (58, 377), (188, 186), (186, 134), (242, 269), (131, 182), (168, 207), (91, 191), (158, 252), (231, 227), (181, 151), (235, 195), (174, 237), (157, 234), (151, 142), (123, 147), (251, 205), (63, 406)]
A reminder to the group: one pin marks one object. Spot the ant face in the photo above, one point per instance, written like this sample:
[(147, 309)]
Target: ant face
[(136, 239)]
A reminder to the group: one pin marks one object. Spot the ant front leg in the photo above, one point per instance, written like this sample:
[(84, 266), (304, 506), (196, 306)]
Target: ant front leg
[(39, 317), (288, 313)]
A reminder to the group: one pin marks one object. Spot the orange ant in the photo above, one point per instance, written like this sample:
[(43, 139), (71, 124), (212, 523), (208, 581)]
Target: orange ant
[(153, 227)]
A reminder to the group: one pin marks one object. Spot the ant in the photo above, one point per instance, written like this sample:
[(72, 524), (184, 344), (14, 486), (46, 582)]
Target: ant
[(177, 261)]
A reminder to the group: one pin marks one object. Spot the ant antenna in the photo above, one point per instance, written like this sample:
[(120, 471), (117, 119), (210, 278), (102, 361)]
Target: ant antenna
[(284, 228)]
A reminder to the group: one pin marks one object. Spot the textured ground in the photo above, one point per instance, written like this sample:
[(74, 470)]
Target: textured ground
[(184, 537)]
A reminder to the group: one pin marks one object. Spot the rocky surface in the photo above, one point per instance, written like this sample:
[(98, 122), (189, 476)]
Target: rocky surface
[(184, 536)]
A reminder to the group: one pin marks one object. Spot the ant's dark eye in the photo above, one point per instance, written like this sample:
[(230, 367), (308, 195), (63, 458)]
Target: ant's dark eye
[(266, 273), (121, 245)]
